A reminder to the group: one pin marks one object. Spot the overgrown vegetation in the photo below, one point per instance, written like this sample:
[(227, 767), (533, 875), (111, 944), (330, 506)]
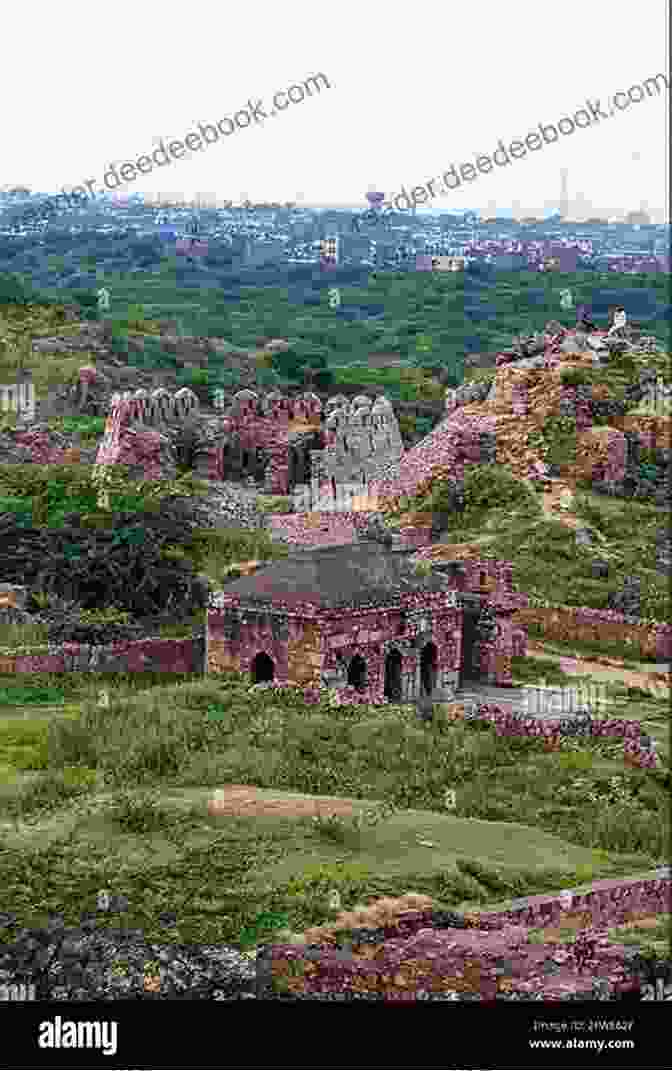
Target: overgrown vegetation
[(142, 554), (486, 488), (504, 515), (555, 442), (129, 781)]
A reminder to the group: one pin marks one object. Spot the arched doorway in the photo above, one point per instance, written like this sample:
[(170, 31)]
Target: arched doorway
[(357, 673), (393, 689), (263, 668), (428, 669)]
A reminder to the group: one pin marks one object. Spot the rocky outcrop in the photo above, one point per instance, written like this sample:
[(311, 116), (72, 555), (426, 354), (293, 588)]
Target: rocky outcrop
[(664, 551), (627, 601)]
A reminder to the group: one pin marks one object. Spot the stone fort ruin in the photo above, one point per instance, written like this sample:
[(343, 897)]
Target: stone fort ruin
[(288, 445)]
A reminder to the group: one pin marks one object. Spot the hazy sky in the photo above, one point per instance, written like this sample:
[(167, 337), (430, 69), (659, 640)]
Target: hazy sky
[(414, 89)]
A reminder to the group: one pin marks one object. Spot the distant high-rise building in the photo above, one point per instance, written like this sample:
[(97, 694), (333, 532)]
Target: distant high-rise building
[(329, 251), (375, 200), (580, 207), (640, 218)]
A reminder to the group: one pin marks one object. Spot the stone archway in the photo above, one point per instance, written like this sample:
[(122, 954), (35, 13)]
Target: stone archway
[(393, 682), (428, 660), (357, 673), (262, 668)]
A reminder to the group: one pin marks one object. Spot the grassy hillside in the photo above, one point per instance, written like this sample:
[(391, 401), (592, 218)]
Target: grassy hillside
[(115, 798)]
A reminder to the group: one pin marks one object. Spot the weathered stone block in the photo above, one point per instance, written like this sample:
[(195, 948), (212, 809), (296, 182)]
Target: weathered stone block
[(12, 595)]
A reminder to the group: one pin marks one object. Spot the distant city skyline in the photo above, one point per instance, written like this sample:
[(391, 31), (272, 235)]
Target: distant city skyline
[(579, 208), (401, 107)]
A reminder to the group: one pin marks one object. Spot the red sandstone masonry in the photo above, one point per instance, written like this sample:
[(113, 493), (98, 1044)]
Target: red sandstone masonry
[(584, 623), (494, 956), (360, 636), (166, 655), (634, 753), (268, 432), (316, 637), (331, 529), (609, 902)]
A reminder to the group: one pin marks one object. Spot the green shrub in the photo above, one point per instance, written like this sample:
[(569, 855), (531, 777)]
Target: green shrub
[(574, 377), (45, 792), (137, 812), (88, 427), (556, 441), (480, 375), (22, 508), (575, 760), (274, 504), (71, 743), (490, 877), (106, 616), (19, 694), (14, 637), (490, 487)]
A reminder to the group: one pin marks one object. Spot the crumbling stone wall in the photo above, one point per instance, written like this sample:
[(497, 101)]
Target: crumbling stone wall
[(286, 440), (239, 635), (130, 436), (135, 656), (458, 441), (266, 438), (360, 437), (566, 623), (487, 584)]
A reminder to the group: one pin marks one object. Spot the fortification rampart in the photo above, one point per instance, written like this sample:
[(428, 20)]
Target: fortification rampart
[(292, 442), (131, 437)]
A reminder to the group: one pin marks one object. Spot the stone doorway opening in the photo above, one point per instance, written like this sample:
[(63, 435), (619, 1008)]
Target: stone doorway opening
[(263, 668), (468, 672), (393, 688), (428, 659), (357, 673)]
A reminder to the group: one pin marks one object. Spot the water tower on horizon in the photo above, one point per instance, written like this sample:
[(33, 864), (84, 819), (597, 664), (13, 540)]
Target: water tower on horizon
[(375, 200)]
